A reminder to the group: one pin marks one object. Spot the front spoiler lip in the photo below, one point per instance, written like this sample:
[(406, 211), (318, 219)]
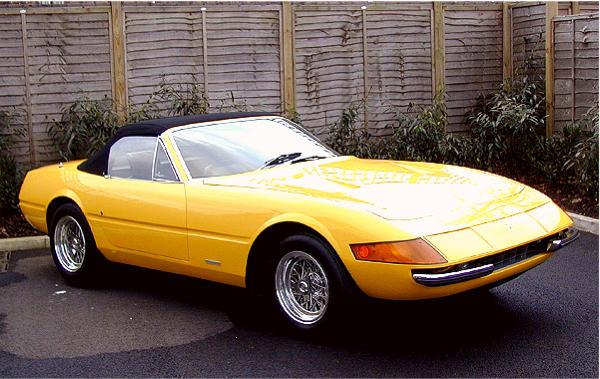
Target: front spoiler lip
[(442, 279)]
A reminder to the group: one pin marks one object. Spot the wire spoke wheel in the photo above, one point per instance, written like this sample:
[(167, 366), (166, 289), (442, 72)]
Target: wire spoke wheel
[(302, 287), (69, 243)]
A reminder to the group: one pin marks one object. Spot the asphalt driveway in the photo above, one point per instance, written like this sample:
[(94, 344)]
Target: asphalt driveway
[(144, 323)]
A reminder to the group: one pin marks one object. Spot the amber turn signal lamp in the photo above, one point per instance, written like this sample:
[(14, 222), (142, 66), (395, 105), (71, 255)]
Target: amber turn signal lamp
[(415, 251)]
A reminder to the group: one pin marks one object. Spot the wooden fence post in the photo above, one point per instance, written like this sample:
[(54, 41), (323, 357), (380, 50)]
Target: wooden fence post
[(32, 157), (551, 12), (118, 45), (287, 52), (439, 47), (507, 69), (575, 9)]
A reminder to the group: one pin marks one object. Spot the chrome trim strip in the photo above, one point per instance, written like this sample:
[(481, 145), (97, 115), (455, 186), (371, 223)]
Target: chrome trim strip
[(434, 280), (570, 235), (211, 262), (161, 144), (154, 157)]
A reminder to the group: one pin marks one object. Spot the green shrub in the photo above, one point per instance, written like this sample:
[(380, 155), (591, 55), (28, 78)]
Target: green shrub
[(11, 172), (581, 165), (570, 157), (231, 104), (84, 127), (86, 124), (347, 138), (420, 135), (420, 138), (182, 98), (505, 124), (292, 115), (11, 177)]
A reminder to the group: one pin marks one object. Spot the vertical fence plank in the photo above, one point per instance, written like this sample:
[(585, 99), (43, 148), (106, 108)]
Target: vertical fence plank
[(119, 69), (507, 69), (575, 9), (204, 52), (551, 12), (365, 68), (287, 52), (439, 46), (573, 77), (432, 52), (281, 73), (32, 157)]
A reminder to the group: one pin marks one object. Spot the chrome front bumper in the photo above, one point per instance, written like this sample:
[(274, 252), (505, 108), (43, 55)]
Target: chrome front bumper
[(483, 267), (564, 238), (434, 280)]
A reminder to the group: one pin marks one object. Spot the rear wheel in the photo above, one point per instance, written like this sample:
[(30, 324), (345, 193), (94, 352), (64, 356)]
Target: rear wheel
[(69, 244), (310, 286), (73, 247)]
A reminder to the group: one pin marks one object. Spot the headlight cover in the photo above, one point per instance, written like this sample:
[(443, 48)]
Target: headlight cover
[(415, 251)]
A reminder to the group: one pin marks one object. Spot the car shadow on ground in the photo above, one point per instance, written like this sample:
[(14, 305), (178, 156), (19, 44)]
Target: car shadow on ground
[(468, 320)]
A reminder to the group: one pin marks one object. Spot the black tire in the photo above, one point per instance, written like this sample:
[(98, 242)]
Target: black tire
[(73, 247), (314, 300)]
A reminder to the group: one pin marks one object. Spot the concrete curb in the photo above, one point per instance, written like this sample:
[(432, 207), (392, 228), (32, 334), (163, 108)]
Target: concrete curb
[(24, 243), (583, 223)]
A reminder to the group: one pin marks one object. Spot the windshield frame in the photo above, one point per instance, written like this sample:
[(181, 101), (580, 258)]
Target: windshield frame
[(170, 134)]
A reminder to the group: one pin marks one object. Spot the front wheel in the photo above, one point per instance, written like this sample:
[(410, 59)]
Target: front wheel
[(302, 288), (311, 287)]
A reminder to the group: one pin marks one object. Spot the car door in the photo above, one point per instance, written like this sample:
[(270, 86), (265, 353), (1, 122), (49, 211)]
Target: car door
[(141, 201)]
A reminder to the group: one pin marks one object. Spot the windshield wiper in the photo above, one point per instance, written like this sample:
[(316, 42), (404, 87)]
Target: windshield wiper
[(280, 159), (309, 158)]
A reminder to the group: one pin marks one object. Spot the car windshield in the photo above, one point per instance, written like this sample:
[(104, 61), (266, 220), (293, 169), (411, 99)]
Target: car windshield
[(237, 146)]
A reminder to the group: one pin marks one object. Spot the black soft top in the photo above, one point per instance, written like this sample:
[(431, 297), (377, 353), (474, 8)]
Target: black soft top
[(97, 163)]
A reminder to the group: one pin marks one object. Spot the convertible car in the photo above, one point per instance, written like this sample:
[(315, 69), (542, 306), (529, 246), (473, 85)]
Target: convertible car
[(253, 200)]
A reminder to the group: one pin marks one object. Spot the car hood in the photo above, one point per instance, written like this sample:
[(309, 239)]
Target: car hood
[(395, 190)]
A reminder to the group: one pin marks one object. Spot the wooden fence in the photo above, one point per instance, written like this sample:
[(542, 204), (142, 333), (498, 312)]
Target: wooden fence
[(313, 58), (575, 67)]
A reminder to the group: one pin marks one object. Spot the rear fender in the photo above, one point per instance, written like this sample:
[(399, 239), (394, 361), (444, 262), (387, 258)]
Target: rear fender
[(58, 198)]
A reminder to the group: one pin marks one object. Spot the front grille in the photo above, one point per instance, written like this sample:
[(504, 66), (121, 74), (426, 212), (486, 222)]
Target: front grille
[(500, 260), (516, 255)]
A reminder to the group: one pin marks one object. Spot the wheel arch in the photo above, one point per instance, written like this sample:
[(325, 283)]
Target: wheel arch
[(274, 232), (57, 202)]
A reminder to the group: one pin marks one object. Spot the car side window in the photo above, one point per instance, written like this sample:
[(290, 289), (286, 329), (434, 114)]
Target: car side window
[(132, 157), (163, 169)]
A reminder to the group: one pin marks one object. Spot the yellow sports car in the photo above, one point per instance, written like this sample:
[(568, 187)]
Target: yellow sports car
[(253, 200)]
